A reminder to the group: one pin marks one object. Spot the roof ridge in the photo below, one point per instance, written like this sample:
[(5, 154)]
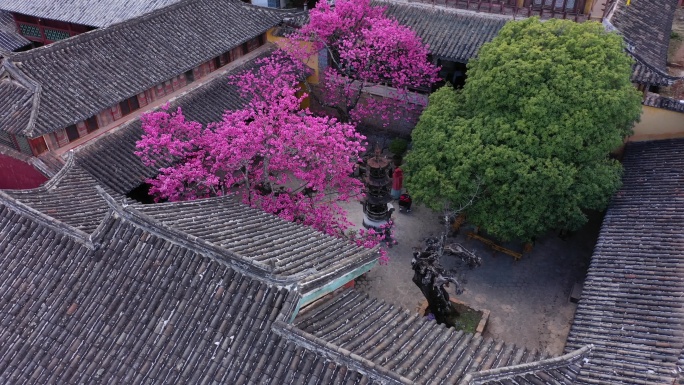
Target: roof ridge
[(219, 198), (90, 35), (670, 78), (192, 91), (94, 34), (30, 84), (458, 11), (243, 265), (506, 372), (337, 354), (45, 220)]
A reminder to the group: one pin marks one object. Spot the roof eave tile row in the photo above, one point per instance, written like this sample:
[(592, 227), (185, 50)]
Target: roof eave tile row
[(245, 266), (69, 196), (643, 73), (10, 39), (95, 13), (646, 26), (655, 100), (418, 349), (285, 248), (451, 34), (111, 158), (632, 308)]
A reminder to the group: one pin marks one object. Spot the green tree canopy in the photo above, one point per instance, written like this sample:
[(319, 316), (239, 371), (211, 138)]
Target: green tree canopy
[(543, 106)]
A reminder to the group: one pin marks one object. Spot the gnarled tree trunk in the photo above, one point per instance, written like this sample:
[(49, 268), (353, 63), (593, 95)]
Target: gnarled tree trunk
[(432, 279), (429, 276)]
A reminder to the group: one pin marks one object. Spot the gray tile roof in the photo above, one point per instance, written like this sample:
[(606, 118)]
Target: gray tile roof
[(557, 370), (10, 39), (646, 26), (69, 196), (452, 34), (281, 247), (50, 163), (95, 13), (127, 304), (418, 349), (632, 306), (111, 159), (132, 307), (292, 363), (82, 75), (16, 98), (655, 100), (645, 74)]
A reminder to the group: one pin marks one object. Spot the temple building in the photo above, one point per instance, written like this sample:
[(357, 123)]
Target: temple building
[(97, 287), (106, 289), (73, 90), (212, 291), (35, 23), (43, 22)]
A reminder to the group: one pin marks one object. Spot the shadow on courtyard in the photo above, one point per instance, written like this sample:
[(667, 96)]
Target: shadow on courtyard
[(528, 299)]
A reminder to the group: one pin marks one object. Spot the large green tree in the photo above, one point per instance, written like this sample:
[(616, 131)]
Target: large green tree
[(543, 106)]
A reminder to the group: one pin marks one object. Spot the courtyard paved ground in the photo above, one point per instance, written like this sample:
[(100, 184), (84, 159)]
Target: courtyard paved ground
[(528, 299)]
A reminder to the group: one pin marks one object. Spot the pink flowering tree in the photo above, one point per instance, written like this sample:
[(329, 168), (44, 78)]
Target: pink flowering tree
[(274, 155), (368, 53)]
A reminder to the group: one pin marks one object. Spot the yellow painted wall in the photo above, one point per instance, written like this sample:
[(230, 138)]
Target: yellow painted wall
[(312, 62), (658, 123), (270, 37)]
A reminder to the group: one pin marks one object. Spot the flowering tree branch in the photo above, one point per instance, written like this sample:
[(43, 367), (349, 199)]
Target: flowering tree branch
[(366, 49), (275, 155)]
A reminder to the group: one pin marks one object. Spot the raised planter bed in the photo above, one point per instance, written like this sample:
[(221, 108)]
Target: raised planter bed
[(473, 320)]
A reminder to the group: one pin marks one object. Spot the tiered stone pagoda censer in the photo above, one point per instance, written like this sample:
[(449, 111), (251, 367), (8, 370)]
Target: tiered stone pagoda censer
[(376, 208)]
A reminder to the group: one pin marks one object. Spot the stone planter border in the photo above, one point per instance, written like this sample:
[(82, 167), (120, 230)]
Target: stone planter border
[(480, 326)]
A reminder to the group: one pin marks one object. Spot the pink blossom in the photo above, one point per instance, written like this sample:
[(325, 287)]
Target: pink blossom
[(274, 155), (367, 49)]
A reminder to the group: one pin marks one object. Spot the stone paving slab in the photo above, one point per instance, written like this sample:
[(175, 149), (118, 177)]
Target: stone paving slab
[(528, 299)]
